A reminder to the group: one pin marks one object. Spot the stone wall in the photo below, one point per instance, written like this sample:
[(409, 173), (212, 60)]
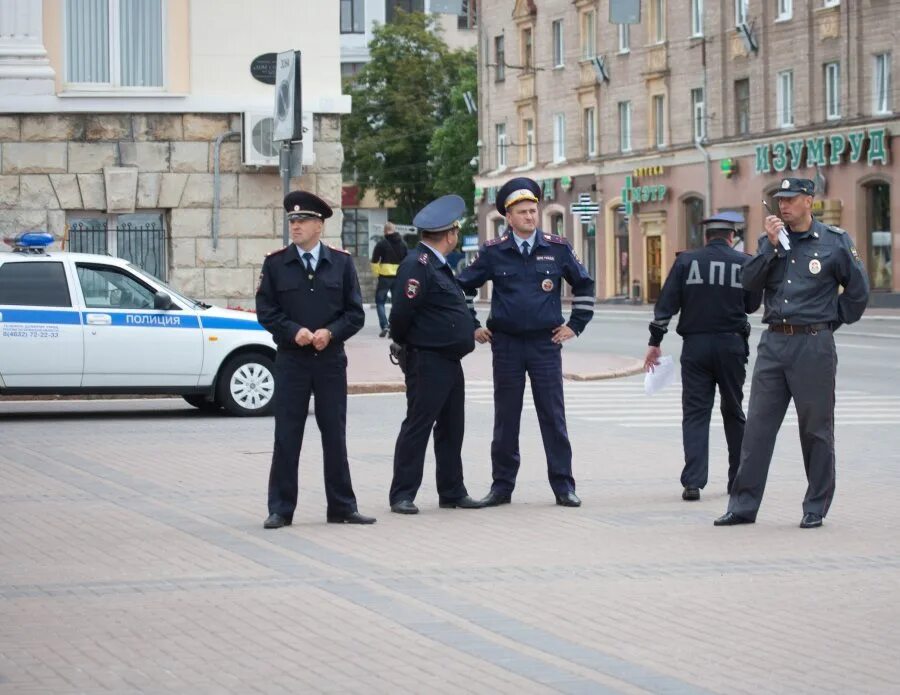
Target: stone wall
[(55, 164)]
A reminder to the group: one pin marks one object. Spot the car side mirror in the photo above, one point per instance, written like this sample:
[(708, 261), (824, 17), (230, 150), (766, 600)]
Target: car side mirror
[(162, 301)]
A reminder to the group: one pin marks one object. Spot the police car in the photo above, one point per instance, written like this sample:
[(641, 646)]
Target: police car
[(73, 323)]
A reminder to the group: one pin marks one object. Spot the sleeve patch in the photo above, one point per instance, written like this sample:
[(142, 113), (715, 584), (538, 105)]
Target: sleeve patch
[(412, 288), (855, 254), (494, 242)]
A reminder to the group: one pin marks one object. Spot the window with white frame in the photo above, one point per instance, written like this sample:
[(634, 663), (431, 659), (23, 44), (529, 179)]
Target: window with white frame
[(696, 17), (742, 106), (658, 10), (500, 58), (698, 114), (740, 12), (588, 35), (625, 126), (785, 98), (882, 83), (590, 131), (624, 38), (528, 129), (784, 9), (114, 43), (832, 90), (500, 130), (559, 55), (559, 137), (353, 17), (659, 120)]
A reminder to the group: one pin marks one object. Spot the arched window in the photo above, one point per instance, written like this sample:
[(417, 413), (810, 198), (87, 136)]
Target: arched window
[(557, 224), (693, 218), (878, 229)]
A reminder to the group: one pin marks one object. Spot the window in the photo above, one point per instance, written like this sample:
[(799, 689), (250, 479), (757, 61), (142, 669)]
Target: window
[(559, 137), (658, 20), (831, 3), (882, 87), (355, 232), (622, 259), (349, 70), (742, 106), (693, 226), (559, 55), (528, 48), (466, 17), (625, 126), (40, 283), (784, 9), (528, 129), (740, 12), (696, 17), (105, 287), (500, 58), (499, 226), (139, 238), (832, 90), (590, 132), (659, 120), (785, 100), (698, 114), (116, 43), (391, 7), (500, 130), (353, 17), (588, 35), (557, 224), (881, 241), (624, 38)]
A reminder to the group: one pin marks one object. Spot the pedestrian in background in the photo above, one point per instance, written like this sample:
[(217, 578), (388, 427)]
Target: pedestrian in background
[(386, 258)]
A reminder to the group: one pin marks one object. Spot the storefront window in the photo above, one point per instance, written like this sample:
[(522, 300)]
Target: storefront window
[(622, 258), (589, 247), (693, 219), (878, 209), (355, 233)]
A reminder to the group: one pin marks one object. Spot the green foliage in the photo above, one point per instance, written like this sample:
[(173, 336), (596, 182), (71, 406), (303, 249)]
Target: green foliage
[(409, 137)]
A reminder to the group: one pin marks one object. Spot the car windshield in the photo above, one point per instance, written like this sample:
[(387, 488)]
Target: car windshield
[(175, 295)]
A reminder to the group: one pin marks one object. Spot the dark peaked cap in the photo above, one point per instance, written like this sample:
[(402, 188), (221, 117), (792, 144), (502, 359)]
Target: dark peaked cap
[(301, 205)]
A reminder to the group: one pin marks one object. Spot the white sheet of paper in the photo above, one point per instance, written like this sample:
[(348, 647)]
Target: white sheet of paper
[(783, 238), (661, 376)]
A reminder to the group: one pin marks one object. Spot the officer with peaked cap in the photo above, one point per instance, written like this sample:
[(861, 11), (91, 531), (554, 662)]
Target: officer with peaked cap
[(308, 298), (430, 318), (796, 358), (526, 331), (704, 288)]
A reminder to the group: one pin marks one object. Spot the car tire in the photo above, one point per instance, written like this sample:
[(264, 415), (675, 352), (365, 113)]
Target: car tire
[(246, 385), (202, 402)]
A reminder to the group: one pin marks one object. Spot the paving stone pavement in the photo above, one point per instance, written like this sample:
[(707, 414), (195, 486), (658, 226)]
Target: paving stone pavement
[(133, 559)]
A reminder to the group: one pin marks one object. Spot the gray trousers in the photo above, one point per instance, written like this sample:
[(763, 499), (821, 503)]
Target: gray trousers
[(801, 367)]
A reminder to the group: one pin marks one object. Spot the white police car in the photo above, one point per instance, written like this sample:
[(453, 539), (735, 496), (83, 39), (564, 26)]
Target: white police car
[(73, 323)]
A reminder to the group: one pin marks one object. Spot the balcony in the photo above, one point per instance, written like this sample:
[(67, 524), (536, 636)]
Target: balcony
[(657, 61)]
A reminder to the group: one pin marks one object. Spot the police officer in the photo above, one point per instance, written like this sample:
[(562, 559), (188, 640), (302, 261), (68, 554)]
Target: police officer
[(386, 257), (704, 288), (796, 357), (526, 332), (430, 318), (309, 300)]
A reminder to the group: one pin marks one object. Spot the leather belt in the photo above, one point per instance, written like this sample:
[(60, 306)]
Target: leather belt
[(790, 329)]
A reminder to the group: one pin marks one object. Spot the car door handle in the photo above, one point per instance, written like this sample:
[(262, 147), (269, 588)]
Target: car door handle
[(99, 319)]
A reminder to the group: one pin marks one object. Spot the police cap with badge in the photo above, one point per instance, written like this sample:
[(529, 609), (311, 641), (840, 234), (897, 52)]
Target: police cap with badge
[(515, 191), (441, 215), (791, 187), (302, 205), (723, 222)]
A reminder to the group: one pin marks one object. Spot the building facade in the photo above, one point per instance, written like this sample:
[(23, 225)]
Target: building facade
[(137, 129), (698, 108)]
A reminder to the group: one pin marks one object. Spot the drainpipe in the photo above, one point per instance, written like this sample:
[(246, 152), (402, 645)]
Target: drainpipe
[(707, 206), (217, 184)]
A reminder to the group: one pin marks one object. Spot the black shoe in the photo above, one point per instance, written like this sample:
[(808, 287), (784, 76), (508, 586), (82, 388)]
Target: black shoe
[(732, 519), (276, 521), (384, 332), (811, 520), (495, 499), (691, 494), (350, 518), (570, 499), (464, 502), (404, 507)]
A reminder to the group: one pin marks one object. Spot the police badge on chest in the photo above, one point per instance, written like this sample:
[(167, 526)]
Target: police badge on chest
[(815, 266)]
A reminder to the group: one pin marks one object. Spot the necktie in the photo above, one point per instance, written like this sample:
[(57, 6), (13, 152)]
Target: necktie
[(525, 248), (308, 258)]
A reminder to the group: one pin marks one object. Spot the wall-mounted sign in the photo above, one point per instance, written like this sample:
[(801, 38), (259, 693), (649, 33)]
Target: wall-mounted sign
[(649, 171), (263, 67), (823, 150), (632, 194), (585, 208), (729, 167), (548, 186), (565, 182)]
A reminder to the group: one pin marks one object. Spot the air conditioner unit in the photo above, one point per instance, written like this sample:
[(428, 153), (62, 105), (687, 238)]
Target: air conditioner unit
[(258, 147)]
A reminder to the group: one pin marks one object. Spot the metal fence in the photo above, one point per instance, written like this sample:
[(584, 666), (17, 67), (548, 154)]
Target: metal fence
[(141, 244)]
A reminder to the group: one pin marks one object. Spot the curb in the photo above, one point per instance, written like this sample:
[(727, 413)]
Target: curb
[(635, 368)]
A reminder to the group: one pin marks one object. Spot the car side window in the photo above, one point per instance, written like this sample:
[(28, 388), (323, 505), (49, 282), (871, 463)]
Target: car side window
[(107, 287), (34, 283)]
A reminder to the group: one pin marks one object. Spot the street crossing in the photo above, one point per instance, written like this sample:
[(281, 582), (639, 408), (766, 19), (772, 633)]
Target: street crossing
[(622, 402)]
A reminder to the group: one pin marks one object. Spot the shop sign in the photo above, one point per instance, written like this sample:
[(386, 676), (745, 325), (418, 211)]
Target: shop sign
[(658, 170), (548, 186), (633, 194), (823, 150), (565, 183)]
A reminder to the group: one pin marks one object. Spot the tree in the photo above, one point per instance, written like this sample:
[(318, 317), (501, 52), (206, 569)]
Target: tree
[(409, 88)]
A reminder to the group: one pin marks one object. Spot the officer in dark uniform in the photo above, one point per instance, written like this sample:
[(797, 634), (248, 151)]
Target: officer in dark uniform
[(309, 300), (430, 318), (796, 356), (526, 331), (704, 285)]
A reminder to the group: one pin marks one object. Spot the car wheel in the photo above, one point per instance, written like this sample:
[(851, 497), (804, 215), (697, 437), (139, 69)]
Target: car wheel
[(247, 385), (198, 400)]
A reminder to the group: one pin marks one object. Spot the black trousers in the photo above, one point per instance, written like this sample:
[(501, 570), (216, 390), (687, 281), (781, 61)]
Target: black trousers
[(802, 367), (435, 399), (709, 360), (297, 375)]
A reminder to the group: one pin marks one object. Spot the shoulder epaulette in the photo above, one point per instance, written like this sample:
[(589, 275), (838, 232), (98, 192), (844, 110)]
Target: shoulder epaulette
[(554, 239), (423, 258), (836, 230), (335, 248), (494, 242), (281, 250)]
